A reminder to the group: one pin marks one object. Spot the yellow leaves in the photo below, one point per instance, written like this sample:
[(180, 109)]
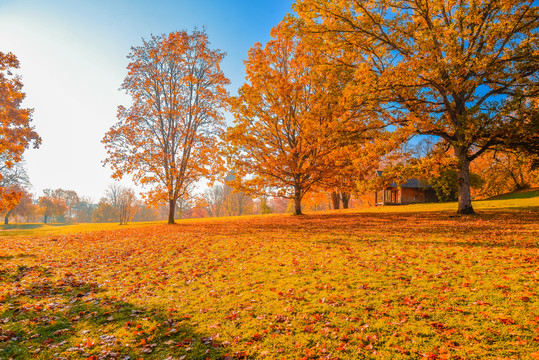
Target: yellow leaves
[(336, 284), (287, 117), (167, 137), (453, 69)]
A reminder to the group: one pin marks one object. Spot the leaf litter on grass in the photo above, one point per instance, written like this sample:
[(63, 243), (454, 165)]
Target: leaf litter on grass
[(332, 286)]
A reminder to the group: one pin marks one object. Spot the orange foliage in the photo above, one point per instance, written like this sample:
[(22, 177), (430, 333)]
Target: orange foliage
[(463, 71), (289, 119), (52, 207), (16, 134), (25, 207), (316, 201), (503, 172), (9, 198), (167, 137)]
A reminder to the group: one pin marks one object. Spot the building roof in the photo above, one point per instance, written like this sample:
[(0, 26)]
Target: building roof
[(412, 183)]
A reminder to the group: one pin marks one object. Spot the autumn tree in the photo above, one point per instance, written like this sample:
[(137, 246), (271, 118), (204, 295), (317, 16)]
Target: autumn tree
[(16, 133), (353, 164), (25, 208), (145, 213), (279, 205), (104, 212), (13, 184), (183, 204), (445, 184), (84, 209), (263, 207), (459, 70), (167, 137), (317, 201), (10, 198), (69, 197), (213, 200), (236, 203), (286, 120), (112, 195), (127, 205), (52, 207), (503, 171), (224, 200), (122, 200)]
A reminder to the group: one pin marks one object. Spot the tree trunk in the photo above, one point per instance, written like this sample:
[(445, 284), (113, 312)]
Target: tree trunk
[(465, 198), (297, 202), (6, 220), (345, 198), (520, 184), (171, 208), (335, 200), (45, 219)]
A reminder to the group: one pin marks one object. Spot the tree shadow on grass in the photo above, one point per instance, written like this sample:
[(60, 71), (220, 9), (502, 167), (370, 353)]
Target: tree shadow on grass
[(532, 209), (28, 226), (527, 194), (18, 256), (70, 319)]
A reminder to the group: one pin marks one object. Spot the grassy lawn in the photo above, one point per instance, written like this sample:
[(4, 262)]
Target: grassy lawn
[(392, 282)]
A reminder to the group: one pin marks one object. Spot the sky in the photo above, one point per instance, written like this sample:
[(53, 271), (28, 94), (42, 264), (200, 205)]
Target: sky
[(73, 60)]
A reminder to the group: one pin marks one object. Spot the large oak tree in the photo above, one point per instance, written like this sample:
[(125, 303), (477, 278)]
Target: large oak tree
[(287, 119), (167, 136), (459, 70)]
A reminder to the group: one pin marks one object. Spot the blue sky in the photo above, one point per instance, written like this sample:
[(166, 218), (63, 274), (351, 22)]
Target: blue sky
[(73, 60)]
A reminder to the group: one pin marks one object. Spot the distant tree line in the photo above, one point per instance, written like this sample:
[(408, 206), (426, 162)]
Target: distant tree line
[(119, 204)]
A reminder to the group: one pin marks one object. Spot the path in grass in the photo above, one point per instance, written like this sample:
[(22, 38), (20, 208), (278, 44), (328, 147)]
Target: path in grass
[(347, 286)]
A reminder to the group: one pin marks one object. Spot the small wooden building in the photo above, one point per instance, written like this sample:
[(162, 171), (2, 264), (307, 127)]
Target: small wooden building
[(413, 191)]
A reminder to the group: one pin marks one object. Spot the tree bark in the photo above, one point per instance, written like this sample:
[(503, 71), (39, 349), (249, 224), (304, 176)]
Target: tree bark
[(297, 202), (345, 198), (335, 200), (6, 220), (45, 219), (465, 198), (171, 208)]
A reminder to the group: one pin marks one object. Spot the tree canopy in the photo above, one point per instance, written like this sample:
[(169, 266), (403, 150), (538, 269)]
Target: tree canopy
[(462, 71), (16, 133), (288, 118), (166, 138)]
